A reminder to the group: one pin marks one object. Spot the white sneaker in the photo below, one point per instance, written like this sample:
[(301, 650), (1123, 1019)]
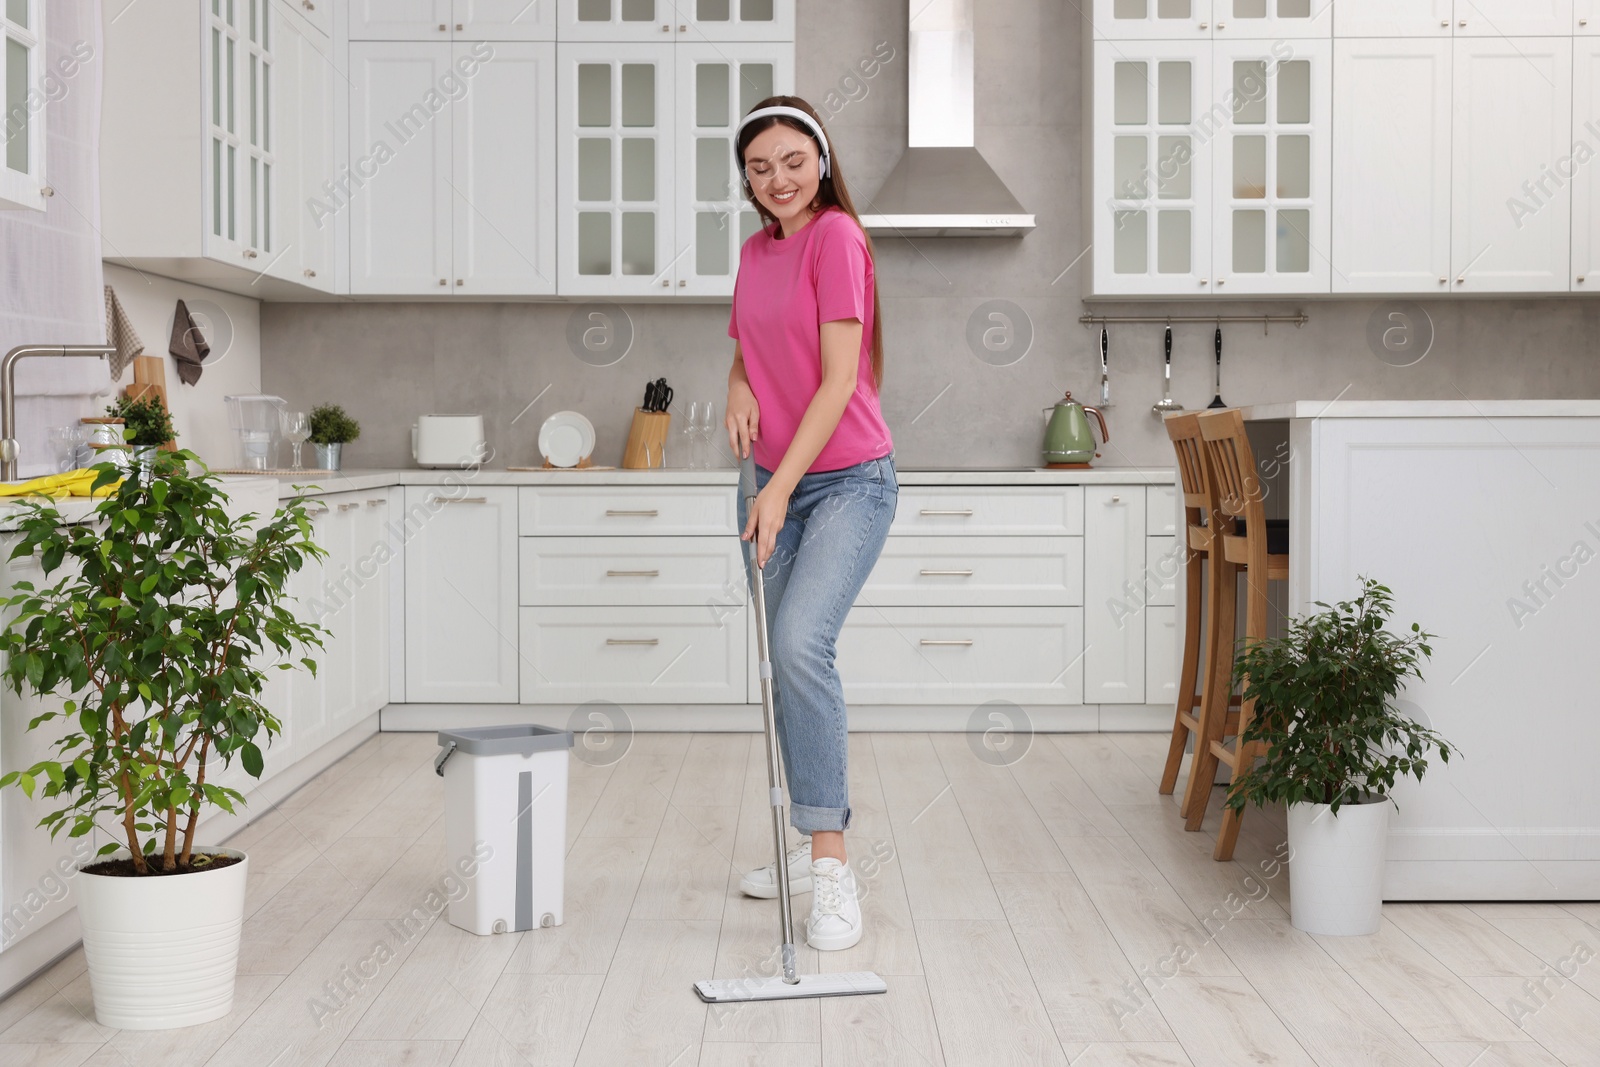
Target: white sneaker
[(835, 920), (763, 881)]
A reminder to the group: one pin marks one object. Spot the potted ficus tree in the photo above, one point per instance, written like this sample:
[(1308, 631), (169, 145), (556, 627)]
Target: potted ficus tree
[(331, 430), (153, 619), (1325, 705)]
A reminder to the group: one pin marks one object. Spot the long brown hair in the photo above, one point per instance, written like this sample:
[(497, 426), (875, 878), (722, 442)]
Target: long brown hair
[(831, 192)]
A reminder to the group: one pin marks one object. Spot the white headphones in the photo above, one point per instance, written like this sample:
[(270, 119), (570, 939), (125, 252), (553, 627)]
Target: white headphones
[(787, 112)]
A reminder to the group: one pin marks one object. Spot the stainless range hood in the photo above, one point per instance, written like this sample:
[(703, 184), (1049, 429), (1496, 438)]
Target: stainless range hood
[(942, 187)]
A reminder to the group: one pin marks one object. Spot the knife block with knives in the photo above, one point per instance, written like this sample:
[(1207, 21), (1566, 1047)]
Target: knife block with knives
[(647, 440)]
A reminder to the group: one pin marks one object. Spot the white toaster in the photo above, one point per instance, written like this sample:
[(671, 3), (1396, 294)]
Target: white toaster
[(448, 440)]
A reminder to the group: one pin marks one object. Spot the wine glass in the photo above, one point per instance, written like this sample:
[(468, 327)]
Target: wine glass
[(707, 427), (295, 427), (691, 423)]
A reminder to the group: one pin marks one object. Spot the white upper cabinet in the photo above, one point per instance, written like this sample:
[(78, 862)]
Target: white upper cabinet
[(1513, 18), (505, 172), (503, 20), (735, 20), (1586, 174), (318, 14), (1152, 168), (241, 126), (1134, 20), (1272, 20), (717, 86), (1393, 18), (401, 216), (22, 60), (1513, 125), (303, 212), (615, 140), (444, 20), (400, 20), (1271, 165), (1398, 242), (603, 21)]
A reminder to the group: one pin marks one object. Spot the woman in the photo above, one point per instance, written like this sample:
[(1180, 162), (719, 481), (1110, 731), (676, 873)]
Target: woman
[(803, 395)]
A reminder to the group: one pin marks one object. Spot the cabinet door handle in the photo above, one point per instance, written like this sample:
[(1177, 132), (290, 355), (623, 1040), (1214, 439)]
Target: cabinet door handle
[(1115, 499), (633, 640), (443, 28), (376, 503), (349, 507), (633, 574), (308, 5), (250, 253), (964, 512), (317, 512), (962, 642), (462, 499), (647, 513), (309, 273), (951, 574)]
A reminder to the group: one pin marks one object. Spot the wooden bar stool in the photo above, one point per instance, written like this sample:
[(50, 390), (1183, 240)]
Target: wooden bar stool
[(1199, 513), (1260, 551)]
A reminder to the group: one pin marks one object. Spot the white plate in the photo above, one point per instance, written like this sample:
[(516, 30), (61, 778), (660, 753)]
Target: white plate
[(566, 438)]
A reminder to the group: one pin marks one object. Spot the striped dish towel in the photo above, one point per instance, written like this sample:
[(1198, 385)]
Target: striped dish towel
[(120, 335)]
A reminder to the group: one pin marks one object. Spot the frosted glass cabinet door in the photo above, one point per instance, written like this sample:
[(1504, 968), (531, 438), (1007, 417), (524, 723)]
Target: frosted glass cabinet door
[(615, 152), (1586, 182), (717, 85), (1136, 20), (1391, 174), (400, 218), (615, 20), (735, 20), (1513, 18), (399, 20), (1393, 18), (1512, 136), (1152, 167), (503, 20), (1272, 167), (505, 171), (1274, 20)]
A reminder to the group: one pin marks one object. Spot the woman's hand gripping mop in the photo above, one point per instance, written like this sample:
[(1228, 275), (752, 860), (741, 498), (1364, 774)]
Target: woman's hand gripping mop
[(789, 985)]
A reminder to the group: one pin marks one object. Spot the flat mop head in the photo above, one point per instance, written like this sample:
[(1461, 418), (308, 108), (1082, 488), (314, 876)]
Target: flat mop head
[(741, 990)]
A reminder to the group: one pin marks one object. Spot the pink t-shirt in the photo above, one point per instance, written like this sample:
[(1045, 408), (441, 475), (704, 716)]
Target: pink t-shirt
[(786, 289)]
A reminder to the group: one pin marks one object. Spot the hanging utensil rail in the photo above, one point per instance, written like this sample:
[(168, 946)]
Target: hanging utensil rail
[(1297, 320)]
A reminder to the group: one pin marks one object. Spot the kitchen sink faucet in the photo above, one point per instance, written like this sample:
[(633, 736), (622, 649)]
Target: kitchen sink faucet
[(8, 394)]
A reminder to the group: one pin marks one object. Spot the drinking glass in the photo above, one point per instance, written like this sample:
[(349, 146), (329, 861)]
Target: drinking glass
[(295, 427), (64, 447), (707, 428), (691, 424)]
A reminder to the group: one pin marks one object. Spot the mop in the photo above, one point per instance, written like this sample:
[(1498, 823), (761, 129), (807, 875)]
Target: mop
[(788, 986)]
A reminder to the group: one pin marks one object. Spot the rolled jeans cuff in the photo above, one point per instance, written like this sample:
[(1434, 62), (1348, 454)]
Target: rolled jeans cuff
[(808, 820)]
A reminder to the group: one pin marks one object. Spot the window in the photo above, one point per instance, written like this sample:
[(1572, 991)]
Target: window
[(22, 156)]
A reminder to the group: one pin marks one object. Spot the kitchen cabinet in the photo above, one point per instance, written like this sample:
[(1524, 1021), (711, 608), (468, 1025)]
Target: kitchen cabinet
[(461, 641), (1135, 20), (642, 654), (317, 14), (305, 72), (457, 195), (239, 112), (1272, 20), (22, 158), (1152, 168), (1114, 564), (1586, 175), (605, 21), (1512, 104), (1398, 242), (1272, 167), (1513, 18), (1393, 18), (442, 20), (1161, 655)]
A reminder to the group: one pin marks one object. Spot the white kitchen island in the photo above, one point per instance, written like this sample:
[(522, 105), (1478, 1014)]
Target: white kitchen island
[(1483, 517)]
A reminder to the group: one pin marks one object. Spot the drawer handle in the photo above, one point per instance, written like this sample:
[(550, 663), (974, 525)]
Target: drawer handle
[(648, 513), (633, 640), (317, 512), (349, 507), (966, 512), (1117, 499), (376, 503), (462, 499), (949, 574), (633, 574), (962, 642)]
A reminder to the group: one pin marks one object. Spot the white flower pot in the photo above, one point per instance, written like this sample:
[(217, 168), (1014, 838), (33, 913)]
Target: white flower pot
[(162, 950), (1336, 867)]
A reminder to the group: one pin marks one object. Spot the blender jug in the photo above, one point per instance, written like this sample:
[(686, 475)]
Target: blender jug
[(254, 417)]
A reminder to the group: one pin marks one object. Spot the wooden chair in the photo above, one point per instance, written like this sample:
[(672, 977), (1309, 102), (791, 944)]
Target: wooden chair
[(1199, 511), (1260, 551)]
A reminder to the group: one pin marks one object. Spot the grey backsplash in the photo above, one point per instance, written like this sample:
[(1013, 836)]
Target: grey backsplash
[(389, 362)]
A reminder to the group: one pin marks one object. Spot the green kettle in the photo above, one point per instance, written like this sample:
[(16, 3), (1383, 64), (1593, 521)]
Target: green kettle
[(1068, 441)]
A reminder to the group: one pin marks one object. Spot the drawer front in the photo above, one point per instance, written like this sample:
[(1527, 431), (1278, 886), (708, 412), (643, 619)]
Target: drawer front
[(589, 511), (1160, 510), (632, 655), (962, 655), (1163, 564), (977, 570), (630, 570), (989, 509)]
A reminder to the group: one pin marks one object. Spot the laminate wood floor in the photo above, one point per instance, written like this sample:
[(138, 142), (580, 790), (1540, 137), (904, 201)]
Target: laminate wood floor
[(1052, 911)]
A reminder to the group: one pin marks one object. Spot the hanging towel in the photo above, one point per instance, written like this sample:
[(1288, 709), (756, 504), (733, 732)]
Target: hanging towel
[(188, 345), (120, 335)]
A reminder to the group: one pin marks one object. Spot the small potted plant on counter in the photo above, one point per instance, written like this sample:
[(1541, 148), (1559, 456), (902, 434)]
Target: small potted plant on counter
[(146, 637), (331, 428), (1324, 697), (147, 425)]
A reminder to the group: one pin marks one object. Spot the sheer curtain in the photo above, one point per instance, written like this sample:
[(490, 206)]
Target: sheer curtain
[(51, 280)]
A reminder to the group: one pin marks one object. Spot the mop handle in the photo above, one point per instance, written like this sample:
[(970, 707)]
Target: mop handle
[(747, 477)]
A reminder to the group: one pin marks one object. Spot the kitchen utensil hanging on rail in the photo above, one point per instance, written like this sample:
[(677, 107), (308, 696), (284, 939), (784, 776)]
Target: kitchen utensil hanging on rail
[(1166, 405), (1217, 401), (1105, 380)]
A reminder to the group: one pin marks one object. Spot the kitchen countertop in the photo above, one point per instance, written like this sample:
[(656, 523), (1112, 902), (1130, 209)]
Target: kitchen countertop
[(355, 480), (1421, 409)]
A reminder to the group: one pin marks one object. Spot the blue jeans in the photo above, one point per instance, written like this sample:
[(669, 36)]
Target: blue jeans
[(830, 540)]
